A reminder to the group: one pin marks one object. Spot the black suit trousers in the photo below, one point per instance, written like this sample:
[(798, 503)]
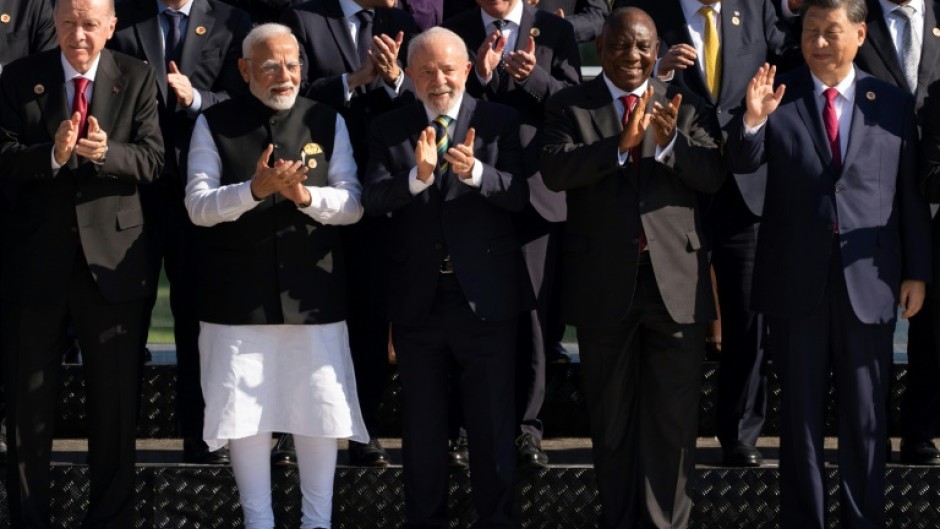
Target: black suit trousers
[(454, 345), (641, 380), (109, 335), (920, 406)]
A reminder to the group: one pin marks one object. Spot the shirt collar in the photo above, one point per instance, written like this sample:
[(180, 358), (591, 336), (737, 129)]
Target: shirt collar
[(350, 8), (514, 16), (690, 8), (616, 92), (887, 7), (72, 73), (186, 9), (452, 112), (846, 86)]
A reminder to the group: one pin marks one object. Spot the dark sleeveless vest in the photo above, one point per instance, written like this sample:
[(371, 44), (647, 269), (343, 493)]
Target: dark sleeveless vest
[(274, 264)]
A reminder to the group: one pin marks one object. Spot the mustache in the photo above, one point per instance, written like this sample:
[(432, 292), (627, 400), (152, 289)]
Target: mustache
[(283, 85)]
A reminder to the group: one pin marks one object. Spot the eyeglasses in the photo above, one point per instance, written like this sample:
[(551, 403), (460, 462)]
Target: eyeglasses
[(273, 68)]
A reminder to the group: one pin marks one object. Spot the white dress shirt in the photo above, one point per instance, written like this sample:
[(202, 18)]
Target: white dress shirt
[(510, 32), (209, 203), (616, 92), (695, 22), (350, 8), (476, 174), (897, 26)]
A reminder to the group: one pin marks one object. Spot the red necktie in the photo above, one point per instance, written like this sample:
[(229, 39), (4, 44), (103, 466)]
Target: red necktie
[(80, 105), (629, 103), (832, 128)]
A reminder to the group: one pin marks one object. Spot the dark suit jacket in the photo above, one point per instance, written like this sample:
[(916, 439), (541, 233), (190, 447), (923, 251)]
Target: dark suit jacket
[(558, 65), (587, 16), (210, 60), (471, 225), (884, 221), (759, 37), (607, 204), (427, 13), (328, 52), (84, 207), (878, 57), (29, 30)]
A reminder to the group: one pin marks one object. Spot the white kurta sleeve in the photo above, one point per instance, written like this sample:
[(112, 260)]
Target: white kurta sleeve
[(339, 202), (207, 202)]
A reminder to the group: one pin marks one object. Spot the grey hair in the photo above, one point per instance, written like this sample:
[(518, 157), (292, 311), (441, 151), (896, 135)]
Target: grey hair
[(431, 35), (262, 33)]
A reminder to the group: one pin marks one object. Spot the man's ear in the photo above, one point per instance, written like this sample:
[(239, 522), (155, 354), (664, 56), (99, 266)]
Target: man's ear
[(244, 69)]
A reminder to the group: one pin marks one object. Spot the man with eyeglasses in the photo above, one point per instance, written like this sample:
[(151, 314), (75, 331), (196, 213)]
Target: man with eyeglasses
[(271, 177), (193, 46)]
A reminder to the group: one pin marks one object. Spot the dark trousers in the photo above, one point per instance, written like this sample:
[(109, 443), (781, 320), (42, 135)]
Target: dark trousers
[(641, 380), (806, 350), (454, 345), (742, 380), (171, 242), (541, 329), (109, 335), (920, 407)]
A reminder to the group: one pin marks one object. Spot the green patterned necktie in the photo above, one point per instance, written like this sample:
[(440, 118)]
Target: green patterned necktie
[(440, 124)]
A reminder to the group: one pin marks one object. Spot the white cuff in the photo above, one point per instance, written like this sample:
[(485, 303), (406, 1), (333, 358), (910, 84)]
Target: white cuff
[(476, 175), (416, 186)]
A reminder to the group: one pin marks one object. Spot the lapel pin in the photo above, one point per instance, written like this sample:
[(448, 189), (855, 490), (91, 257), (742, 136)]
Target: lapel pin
[(39, 89), (5, 18), (936, 32), (311, 163), (871, 96), (535, 32), (312, 149), (736, 20), (200, 30)]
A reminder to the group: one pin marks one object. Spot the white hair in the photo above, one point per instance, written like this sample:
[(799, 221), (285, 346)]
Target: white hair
[(262, 33), (435, 33)]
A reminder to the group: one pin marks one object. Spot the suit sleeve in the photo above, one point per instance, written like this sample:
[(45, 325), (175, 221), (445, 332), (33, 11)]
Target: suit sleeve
[(229, 82), (744, 153), (564, 71), (503, 185), (385, 186), (588, 19), (139, 159)]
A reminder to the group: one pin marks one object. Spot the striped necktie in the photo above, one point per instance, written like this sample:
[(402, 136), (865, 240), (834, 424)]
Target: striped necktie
[(440, 125)]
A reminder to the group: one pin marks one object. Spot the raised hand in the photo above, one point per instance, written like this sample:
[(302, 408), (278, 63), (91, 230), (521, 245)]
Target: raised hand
[(489, 54), (460, 156), (678, 57), (426, 154), (95, 145), (520, 63), (635, 129), (363, 76), (180, 85), (761, 98), (65, 137), (560, 12), (384, 53), (664, 121), (268, 180)]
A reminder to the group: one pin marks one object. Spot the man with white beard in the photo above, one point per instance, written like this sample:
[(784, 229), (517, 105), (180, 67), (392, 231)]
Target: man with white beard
[(448, 169), (273, 344)]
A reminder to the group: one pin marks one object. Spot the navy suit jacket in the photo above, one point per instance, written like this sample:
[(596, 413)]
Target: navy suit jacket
[(209, 59), (558, 65), (758, 37), (883, 219), (471, 225)]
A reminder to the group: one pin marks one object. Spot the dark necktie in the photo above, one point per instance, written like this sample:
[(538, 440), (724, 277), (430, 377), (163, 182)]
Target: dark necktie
[(832, 128), (629, 103), (910, 46), (501, 67), (171, 51), (442, 138), (364, 37), (80, 105)]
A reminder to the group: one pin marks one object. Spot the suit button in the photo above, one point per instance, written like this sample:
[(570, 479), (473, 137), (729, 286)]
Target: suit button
[(840, 188)]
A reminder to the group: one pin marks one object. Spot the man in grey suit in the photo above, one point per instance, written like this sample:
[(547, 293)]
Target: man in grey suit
[(635, 280)]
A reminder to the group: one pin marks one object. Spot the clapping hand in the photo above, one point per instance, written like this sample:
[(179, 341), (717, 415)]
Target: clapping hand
[(65, 137), (489, 54), (181, 85), (384, 54), (460, 156), (635, 129), (664, 121), (268, 180), (426, 154), (95, 145)]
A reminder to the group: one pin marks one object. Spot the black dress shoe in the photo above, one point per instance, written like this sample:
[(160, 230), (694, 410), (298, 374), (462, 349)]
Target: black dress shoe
[(370, 454), (283, 454), (919, 453), (530, 453), (196, 452), (742, 455), (458, 453)]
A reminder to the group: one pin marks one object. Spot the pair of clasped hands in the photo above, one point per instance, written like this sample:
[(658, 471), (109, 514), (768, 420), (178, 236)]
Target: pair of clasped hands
[(663, 119), (285, 177), (93, 146)]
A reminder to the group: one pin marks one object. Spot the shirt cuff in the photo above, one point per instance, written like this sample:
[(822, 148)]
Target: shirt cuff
[(347, 94), (244, 194), (416, 186), (664, 78), (194, 109), (750, 131), (664, 152), (55, 165), (476, 175), (622, 157), (395, 90), (483, 81)]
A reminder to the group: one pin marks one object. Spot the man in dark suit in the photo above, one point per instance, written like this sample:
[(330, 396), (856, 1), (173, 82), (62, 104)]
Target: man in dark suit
[(77, 253), (456, 279), (350, 50), (636, 282), (712, 48), (844, 238), (587, 16), (521, 57), (199, 71)]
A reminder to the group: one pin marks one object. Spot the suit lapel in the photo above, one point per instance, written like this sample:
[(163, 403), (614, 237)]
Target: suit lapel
[(602, 110), (881, 41), (53, 101), (150, 37), (931, 47), (864, 106), (525, 26), (107, 92), (809, 112), (200, 16), (336, 21)]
